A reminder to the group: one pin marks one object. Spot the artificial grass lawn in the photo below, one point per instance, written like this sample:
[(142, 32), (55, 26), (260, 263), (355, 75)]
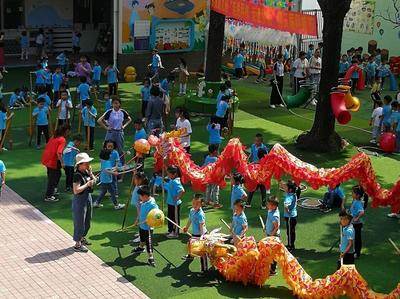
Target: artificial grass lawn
[(316, 232)]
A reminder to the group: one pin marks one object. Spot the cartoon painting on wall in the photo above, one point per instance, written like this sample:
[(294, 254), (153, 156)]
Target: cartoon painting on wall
[(134, 12), (360, 17), (391, 16), (42, 14)]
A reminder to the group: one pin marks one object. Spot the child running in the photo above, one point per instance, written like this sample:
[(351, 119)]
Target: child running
[(69, 154), (212, 191)]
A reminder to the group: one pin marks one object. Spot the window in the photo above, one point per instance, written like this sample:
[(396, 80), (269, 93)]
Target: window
[(82, 11), (13, 13)]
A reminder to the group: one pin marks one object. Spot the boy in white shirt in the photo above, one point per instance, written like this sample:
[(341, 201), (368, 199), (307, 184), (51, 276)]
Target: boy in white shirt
[(376, 122)]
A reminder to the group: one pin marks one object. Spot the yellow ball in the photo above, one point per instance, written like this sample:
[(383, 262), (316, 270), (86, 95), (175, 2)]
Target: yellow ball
[(155, 218)]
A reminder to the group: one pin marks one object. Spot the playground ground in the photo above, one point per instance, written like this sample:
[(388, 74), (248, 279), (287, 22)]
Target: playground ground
[(317, 232)]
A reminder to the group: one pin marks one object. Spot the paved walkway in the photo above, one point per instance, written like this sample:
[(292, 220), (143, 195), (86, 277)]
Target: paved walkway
[(37, 260)]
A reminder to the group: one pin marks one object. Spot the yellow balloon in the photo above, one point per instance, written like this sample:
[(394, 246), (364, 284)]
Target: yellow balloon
[(155, 218)]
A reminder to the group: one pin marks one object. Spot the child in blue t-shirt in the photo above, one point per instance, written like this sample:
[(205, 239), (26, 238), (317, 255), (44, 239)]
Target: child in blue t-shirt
[(334, 197), (175, 192), (3, 123), (343, 66), (238, 65), (41, 76), (272, 224), (69, 154), (386, 113), (57, 79), (357, 211), (107, 101), (116, 161), (237, 189), (258, 143), (355, 75), (24, 43), (96, 75), (112, 72), (221, 115), (62, 61), (347, 240), (239, 224), (156, 182), (261, 153), (212, 191), (106, 180), (41, 113), (139, 179), (140, 132), (83, 91), (15, 100), (214, 128), (148, 203), (197, 219), (145, 94), (89, 114), (290, 214)]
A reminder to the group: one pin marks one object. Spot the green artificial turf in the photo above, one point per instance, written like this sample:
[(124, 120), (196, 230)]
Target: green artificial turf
[(173, 278)]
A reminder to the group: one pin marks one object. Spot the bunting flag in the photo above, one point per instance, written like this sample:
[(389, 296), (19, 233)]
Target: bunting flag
[(265, 16)]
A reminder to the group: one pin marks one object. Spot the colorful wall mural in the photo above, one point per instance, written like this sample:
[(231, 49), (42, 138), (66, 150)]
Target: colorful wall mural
[(41, 13), (141, 21)]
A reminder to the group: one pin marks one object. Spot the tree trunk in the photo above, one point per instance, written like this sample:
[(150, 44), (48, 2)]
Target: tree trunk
[(322, 137), (215, 47)]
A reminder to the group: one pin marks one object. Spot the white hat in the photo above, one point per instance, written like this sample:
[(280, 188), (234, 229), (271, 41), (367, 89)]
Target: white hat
[(82, 158)]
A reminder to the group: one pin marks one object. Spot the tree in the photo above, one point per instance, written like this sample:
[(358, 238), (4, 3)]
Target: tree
[(322, 137), (215, 45)]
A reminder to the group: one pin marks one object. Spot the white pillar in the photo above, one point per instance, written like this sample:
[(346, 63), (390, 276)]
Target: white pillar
[(115, 27)]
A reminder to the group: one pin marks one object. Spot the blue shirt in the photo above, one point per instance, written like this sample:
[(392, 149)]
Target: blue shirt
[(3, 120), (156, 181), (13, 99), (337, 192), (254, 151), (49, 77), (383, 71), (290, 201), (272, 216), (108, 105), (238, 61), (343, 66), (88, 119), (114, 157), (395, 118), (371, 68), (57, 81), (165, 86), (47, 100), (210, 159), (347, 235), (145, 92), (214, 137), (219, 97), (61, 59), (386, 112), (221, 109), (355, 75), (173, 187), (75, 40), (69, 154), (141, 134), (83, 90), (2, 167), (237, 193), (41, 116), (357, 206), (112, 75), (41, 76), (106, 177), (197, 217), (24, 42), (237, 223), (156, 61), (145, 208), (96, 72), (135, 197)]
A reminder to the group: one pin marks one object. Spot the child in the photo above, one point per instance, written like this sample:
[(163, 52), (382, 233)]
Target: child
[(238, 65), (357, 211), (140, 133), (355, 75), (272, 224), (106, 179), (64, 105), (334, 197), (112, 72), (76, 41), (165, 86), (261, 153), (395, 122), (41, 113), (262, 67), (83, 91), (156, 182), (40, 76), (57, 80), (343, 66), (182, 122), (212, 191), (239, 224), (183, 75), (213, 129), (145, 93), (156, 63), (347, 238), (139, 179), (96, 75), (2, 174), (290, 214), (3, 123), (371, 71), (221, 115), (69, 154), (237, 189), (145, 232), (15, 100), (197, 218), (175, 193), (383, 72), (62, 61), (258, 143), (386, 113), (24, 43), (107, 101), (115, 159), (221, 93), (89, 114), (376, 122)]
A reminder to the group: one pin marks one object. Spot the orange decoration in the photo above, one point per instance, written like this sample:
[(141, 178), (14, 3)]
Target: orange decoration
[(142, 146)]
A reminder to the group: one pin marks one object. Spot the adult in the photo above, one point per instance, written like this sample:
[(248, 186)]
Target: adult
[(115, 121), (84, 69), (155, 111), (52, 158), (2, 62), (315, 70), (76, 42), (39, 41), (83, 183), (278, 71), (300, 68)]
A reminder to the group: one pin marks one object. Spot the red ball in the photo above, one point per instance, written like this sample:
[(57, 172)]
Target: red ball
[(387, 142)]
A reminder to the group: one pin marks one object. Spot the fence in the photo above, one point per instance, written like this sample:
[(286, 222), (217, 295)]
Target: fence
[(306, 40)]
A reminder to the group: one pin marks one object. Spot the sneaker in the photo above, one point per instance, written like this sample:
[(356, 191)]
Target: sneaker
[(247, 205), (81, 248), (172, 236), (119, 206), (217, 206), (272, 106), (51, 199), (373, 141), (136, 235), (393, 215), (56, 193), (151, 262), (187, 258), (138, 250), (97, 205), (281, 105), (86, 242)]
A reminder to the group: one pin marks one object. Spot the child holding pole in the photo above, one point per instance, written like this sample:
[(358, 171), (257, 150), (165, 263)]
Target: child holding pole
[(89, 114)]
